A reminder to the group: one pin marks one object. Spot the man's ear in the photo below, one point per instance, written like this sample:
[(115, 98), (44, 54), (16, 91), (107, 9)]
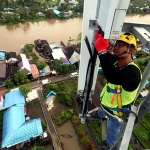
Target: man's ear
[(132, 50)]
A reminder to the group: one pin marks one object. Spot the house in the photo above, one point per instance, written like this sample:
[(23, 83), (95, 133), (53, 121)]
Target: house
[(15, 127), (40, 14), (58, 53), (42, 46), (47, 70), (46, 50), (13, 97), (2, 73), (11, 58), (54, 45), (20, 56), (71, 54), (25, 66), (34, 71), (11, 70)]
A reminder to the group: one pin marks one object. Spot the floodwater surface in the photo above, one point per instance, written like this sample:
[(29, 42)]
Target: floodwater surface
[(12, 37)]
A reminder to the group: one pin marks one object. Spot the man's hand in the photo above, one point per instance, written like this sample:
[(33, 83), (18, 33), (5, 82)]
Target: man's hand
[(100, 43)]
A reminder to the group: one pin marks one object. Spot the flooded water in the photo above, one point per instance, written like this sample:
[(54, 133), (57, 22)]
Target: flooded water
[(138, 19), (12, 37), (68, 143)]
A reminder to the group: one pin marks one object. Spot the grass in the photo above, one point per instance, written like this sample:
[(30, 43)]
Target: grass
[(96, 130), (143, 135), (33, 104)]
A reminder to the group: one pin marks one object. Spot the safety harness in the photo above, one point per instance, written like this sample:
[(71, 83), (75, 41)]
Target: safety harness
[(117, 92)]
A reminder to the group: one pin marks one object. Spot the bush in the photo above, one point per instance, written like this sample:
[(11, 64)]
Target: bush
[(44, 126), (85, 140), (79, 129), (63, 117)]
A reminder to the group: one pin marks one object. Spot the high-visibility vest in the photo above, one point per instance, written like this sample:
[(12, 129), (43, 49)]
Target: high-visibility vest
[(108, 95)]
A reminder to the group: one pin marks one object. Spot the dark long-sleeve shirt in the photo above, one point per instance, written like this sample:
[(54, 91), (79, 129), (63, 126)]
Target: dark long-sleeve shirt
[(128, 76)]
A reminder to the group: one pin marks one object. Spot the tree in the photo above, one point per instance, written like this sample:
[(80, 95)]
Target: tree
[(140, 53), (28, 47), (38, 148), (9, 83), (24, 89), (56, 63), (20, 77), (50, 14), (41, 64)]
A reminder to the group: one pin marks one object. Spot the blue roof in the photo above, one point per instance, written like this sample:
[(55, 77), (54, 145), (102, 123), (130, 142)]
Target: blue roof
[(66, 63), (13, 97), (51, 92), (15, 129), (2, 55)]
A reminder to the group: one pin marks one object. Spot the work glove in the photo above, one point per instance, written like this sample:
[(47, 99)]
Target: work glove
[(96, 35), (100, 43)]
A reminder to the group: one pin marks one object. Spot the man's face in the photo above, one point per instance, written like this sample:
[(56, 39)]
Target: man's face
[(119, 48)]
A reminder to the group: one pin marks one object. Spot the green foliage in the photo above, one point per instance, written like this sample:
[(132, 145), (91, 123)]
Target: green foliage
[(79, 129), (28, 47), (79, 37), (24, 89), (95, 127), (65, 99), (1, 118), (59, 67), (56, 63), (34, 57), (64, 91), (44, 126), (50, 87), (41, 64), (85, 139), (138, 7), (38, 148), (130, 147), (75, 119), (50, 14), (33, 104), (142, 63), (9, 83), (21, 78), (140, 53), (64, 116), (143, 135)]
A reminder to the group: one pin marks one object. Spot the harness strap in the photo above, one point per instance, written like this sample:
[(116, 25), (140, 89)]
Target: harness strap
[(124, 109)]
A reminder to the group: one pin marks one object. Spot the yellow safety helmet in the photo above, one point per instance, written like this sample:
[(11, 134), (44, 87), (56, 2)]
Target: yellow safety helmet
[(128, 38)]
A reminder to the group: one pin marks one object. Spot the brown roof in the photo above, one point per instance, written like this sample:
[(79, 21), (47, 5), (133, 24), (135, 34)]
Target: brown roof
[(34, 71)]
